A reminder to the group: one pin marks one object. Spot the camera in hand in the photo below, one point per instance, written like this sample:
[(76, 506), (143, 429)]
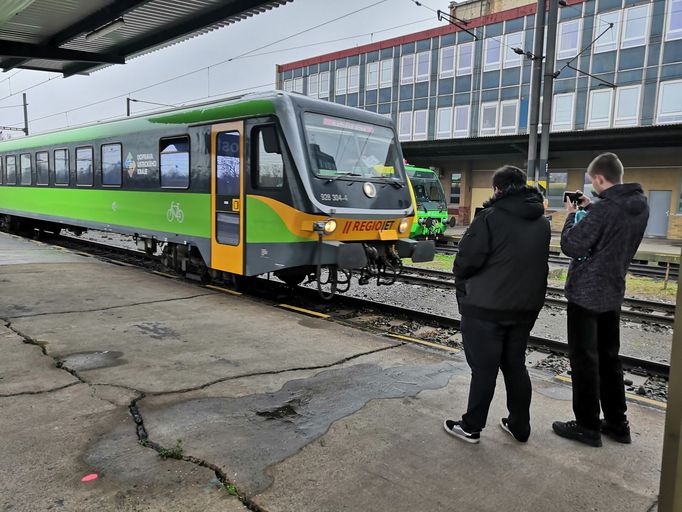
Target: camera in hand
[(573, 197)]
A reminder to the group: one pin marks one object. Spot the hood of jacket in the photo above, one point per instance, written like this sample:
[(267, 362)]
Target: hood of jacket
[(629, 195), (525, 202)]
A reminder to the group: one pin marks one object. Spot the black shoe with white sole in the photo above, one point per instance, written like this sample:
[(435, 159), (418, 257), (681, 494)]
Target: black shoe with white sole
[(456, 429), (504, 424)]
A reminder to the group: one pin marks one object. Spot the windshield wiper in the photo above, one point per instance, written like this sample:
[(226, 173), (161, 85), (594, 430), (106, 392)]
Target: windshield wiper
[(397, 184)]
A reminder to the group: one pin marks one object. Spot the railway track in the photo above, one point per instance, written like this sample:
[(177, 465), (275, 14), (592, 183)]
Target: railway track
[(636, 269), (338, 307), (634, 309)]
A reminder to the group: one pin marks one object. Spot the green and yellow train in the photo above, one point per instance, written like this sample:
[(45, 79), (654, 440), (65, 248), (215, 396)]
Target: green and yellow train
[(430, 202), (269, 182)]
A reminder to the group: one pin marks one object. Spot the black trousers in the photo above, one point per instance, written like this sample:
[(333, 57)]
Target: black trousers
[(490, 346), (596, 370)]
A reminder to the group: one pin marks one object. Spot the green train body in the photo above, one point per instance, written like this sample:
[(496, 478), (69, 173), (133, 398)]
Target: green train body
[(268, 182), (430, 204)]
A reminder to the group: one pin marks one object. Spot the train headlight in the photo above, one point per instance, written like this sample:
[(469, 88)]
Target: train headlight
[(369, 189), (327, 227), (403, 225)]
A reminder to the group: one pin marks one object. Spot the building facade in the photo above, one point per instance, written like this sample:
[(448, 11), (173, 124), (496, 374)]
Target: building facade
[(618, 70)]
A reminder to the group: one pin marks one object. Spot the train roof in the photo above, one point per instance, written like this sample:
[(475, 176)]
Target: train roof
[(252, 104)]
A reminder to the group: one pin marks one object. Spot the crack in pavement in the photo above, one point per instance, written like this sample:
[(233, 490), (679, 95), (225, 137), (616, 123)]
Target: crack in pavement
[(26, 393), (159, 301), (140, 429)]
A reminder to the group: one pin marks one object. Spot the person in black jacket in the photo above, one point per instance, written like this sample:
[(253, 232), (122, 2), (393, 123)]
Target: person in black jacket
[(602, 246), (501, 279)]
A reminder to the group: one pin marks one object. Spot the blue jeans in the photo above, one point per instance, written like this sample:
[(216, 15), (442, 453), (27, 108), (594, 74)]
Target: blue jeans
[(490, 346)]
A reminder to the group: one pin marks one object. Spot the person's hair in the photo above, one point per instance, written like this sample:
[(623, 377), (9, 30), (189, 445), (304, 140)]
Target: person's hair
[(509, 177), (607, 165)]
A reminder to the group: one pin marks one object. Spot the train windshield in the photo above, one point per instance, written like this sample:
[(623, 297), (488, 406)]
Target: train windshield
[(340, 147), (428, 191)]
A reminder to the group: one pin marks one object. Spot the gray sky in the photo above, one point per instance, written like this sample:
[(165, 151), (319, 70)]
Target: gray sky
[(251, 73)]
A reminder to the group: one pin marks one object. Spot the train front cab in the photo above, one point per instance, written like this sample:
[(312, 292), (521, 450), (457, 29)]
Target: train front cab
[(262, 222)]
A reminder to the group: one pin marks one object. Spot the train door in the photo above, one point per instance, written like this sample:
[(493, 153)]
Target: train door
[(227, 197)]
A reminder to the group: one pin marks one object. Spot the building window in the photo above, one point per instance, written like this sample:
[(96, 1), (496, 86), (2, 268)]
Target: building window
[(386, 78), (353, 78), (465, 54), (298, 84), (569, 37), (635, 26), (84, 164), (288, 85), (42, 168), (407, 69), (627, 106), (673, 26), (609, 40), (488, 119), (509, 111), (461, 121), (669, 102), (447, 62), (405, 126), (341, 78), (444, 129), (600, 109), (511, 58), (420, 124), (324, 84), (423, 66), (313, 85), (174, 157), (455, 187), (562, 115), (555, 190), (11, 166), (61, 166), (25, 167), (372, 78), (111, 164), (492, 54)]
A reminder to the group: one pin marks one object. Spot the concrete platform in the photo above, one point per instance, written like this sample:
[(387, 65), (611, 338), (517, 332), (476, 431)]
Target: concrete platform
[(300, 414)]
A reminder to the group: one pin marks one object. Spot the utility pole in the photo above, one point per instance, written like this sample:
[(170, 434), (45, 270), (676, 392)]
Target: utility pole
[(25, 116), (548, 88), (536, 77), (25, 128)]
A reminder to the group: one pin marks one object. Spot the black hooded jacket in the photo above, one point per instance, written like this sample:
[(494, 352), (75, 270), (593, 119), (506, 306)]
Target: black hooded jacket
[(501, 267), (602, 245)]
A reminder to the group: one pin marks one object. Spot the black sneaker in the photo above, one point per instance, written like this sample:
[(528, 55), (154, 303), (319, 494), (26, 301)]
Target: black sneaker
[(617, 431), (504, 425), (455, 428), (571, 430)]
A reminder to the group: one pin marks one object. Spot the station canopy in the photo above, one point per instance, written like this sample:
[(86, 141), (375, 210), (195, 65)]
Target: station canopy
[(81, 36)]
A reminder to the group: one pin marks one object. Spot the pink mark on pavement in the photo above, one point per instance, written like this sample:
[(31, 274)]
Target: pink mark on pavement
[(89, 478)]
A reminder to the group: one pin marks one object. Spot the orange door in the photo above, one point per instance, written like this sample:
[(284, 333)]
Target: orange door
[(227, 197)]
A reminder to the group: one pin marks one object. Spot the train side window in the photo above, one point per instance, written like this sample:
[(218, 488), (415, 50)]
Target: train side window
[(25, 165), (2, 172), (111, 164), (61, 166), (42, 168), (268, 164), (84, 164), (174, 157), (11, 167)]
